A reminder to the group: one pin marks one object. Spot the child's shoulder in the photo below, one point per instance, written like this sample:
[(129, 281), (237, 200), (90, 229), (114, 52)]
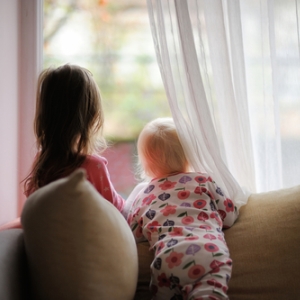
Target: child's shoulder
[(94, 159), (184, 177), (191, 175)]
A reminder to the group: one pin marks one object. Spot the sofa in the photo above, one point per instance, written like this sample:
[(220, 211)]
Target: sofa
[(70, 243)]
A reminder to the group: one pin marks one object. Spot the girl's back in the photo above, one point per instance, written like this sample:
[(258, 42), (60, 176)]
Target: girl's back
[(68, 124)]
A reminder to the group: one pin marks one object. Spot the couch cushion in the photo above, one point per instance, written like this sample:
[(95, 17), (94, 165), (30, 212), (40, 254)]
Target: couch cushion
[(264, 245), (78, 244), (13, 266)]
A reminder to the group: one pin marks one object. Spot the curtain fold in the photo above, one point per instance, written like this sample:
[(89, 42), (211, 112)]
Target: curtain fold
[(223, 73), (175, 36)]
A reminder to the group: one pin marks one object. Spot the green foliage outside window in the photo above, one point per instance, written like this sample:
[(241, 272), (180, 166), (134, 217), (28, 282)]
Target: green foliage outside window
[(113, 40)]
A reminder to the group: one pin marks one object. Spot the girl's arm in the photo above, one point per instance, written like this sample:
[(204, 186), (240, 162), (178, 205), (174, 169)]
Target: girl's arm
[(98, 175)]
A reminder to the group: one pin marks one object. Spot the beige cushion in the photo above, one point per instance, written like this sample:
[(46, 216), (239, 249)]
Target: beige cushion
[(264, 245), (78, 244)]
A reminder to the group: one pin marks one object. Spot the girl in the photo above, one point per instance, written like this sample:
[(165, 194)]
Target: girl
[(181, 214), (68, 128)]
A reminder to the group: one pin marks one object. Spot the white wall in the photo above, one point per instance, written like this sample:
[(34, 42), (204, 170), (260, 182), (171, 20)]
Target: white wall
[(8, 109), (20, 62)]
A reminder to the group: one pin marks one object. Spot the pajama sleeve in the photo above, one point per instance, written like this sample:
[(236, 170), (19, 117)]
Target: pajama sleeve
[(225, 206), (135, 221)]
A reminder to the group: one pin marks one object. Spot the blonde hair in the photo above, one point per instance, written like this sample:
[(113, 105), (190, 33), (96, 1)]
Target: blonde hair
[(159, 149)]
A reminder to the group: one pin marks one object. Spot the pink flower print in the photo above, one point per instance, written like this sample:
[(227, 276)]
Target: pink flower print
[(222, 214), (176, 231), (198, 190), (210, 247), (215, 266), (210, 237), (147, 200), (229, 262), (200, 203), (183, 194), (187, 220), (174, 259), (196, 271), (208, 193), (216, 216), (206, 227), (163, 280), (221, 238), (209, 179), (160, 246), (166, 185), (192, 238), (152, 226), (139, 232), (202, 216), (136, 212), (200, 179), (141, 222), (214, 283), (229, 205), (169, 210)]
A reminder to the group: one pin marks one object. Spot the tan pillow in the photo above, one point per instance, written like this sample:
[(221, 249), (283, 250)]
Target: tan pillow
[(264, 245), (79, 246)]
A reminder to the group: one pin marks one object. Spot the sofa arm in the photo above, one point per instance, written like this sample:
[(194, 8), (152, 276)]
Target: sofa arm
[(13, 267)]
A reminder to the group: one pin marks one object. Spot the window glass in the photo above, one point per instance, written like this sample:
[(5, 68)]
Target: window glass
[(113, 40)]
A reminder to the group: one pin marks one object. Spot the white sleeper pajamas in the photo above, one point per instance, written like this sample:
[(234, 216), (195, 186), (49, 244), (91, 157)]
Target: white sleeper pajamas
[(182, 217)]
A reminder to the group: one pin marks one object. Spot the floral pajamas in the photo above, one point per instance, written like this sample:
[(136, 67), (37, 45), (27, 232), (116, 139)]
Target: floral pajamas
[(182, 217)]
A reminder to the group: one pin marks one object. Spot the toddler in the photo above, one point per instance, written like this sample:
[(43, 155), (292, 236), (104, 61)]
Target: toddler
[(181, 213)]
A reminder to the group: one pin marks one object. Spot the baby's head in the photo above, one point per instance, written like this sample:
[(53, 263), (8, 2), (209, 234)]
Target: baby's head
[(68, 109), (159, 149)]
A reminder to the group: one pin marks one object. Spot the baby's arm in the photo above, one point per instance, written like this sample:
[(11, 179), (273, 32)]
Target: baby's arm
[(131, 198), (225, 206), (135, 220)]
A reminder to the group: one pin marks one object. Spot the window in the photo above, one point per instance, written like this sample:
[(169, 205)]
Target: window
[(113, 40)]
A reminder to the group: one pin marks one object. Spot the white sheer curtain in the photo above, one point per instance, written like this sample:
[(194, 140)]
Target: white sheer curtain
[(231, 74)]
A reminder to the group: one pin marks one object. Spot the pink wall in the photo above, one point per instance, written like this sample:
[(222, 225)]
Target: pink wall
[(19, 62)]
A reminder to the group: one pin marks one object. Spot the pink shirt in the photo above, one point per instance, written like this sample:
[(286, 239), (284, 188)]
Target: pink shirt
[(98, 175)]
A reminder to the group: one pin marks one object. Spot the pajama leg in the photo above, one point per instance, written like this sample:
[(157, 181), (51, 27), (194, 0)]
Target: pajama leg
[(212, 286), (164, 287)]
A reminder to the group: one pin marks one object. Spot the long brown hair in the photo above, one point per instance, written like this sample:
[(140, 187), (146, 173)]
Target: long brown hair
[(67, 123)]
